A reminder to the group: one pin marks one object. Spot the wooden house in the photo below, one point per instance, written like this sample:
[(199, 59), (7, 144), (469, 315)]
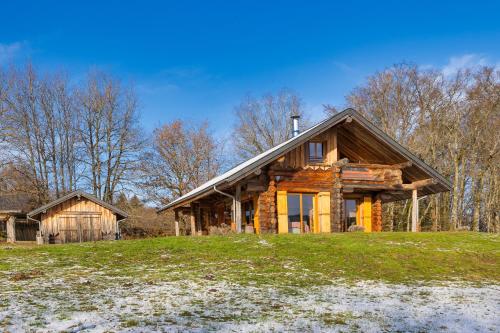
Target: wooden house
[(77, 217), (14, 226), (329, 178)]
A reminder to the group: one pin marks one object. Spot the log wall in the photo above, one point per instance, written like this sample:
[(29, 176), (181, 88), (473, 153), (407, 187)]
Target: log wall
[(377, 214)]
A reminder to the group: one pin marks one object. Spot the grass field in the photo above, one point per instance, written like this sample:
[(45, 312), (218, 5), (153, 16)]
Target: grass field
[(335, 282)]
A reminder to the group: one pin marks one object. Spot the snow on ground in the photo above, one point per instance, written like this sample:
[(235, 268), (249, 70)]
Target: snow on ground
[(107, 304)]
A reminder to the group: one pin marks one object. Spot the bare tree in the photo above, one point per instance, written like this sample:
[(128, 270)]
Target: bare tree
[(108, 130), (452, 123), (182, 157), (264, 123), (60, 135)]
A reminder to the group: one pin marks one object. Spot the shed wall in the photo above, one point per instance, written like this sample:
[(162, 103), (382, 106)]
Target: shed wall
[(79, 220)]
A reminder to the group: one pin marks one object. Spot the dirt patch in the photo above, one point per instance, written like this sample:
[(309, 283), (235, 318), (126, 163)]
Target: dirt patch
[(28, 275)]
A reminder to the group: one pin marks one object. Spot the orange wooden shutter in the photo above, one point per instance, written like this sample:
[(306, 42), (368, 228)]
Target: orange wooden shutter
[(282, 212), (324, 211)]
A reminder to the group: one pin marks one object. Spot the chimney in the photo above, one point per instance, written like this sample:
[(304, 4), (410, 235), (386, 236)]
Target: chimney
[(295, 130)]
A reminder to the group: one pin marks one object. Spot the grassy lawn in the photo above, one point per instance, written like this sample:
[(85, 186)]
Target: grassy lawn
[(242, 283), (285, 260)]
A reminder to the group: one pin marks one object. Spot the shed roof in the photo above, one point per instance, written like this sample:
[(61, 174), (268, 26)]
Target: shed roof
[(77, 194), (244, 169), (15, 203)]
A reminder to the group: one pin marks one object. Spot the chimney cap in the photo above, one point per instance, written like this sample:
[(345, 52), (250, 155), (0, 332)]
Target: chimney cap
[(295, 116)]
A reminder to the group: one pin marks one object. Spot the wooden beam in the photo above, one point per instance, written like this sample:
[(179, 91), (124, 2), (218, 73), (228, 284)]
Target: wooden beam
[(420, 183), (414, 211), (348, 190), (193, 220), (334, 149), (237, 208), (341, 163), (198, 220), (380, 166), (176, 222), (397, 187), (11, 229), (255, 186), (403, 165)]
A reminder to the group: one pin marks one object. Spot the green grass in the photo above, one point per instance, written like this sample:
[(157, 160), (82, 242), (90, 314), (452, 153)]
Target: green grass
[(284, 260)]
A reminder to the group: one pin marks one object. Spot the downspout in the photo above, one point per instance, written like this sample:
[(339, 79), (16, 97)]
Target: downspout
[(118, 233), (39, 224), (233, 208)]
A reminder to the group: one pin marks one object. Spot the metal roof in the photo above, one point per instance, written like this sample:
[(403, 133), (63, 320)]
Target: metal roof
[(77, 194), (244, 169)]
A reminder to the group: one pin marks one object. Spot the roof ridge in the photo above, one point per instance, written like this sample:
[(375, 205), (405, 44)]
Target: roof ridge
[(73, 194)]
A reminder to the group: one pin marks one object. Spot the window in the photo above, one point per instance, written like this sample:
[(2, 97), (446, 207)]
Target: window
[(300, 212), (315, 152), (248, 212), (351, 212)]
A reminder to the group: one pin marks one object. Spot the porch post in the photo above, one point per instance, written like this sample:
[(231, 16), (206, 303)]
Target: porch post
[(11, 229), (198, 220), (176, 222), (193, 221), (414, 211), (237, 208)]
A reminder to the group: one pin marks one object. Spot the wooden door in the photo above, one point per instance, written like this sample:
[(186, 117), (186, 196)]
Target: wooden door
[(90, 228), (68, 229)]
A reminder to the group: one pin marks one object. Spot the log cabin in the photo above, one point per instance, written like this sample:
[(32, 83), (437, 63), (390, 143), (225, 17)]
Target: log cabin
[(332, 177), (77, 217)]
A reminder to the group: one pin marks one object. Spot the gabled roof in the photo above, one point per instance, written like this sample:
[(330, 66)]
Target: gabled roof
[(15, 203), (244, 169), (77, 194)]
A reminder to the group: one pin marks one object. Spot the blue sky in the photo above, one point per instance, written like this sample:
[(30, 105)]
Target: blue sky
[(196, 60)]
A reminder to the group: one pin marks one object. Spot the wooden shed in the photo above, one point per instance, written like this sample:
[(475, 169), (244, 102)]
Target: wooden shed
[(78, 217)]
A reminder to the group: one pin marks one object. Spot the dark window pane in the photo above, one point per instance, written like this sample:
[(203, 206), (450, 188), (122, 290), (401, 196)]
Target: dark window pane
[(312, 149), (293, 202), (248, 212), (315, 151), (307, 212), (350, 207)]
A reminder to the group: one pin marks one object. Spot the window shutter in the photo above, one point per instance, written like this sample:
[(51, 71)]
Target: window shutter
[(367, 213), (282, 212), (324, 211), (256, 222)]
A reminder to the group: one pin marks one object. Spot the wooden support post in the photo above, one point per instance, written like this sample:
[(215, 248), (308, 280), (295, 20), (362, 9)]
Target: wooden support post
[(414, 211), (337, 202), (198, 220), (237, 208), (11, 229), (193, 220), (176, 222)]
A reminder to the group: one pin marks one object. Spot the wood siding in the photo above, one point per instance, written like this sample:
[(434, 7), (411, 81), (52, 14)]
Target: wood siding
[(79, 220), (297, 157)]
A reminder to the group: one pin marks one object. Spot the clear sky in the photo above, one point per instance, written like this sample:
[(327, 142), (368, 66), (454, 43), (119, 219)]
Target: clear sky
[(196, 60)]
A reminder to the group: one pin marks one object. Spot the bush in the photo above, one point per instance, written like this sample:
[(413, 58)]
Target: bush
[(356, 228)]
